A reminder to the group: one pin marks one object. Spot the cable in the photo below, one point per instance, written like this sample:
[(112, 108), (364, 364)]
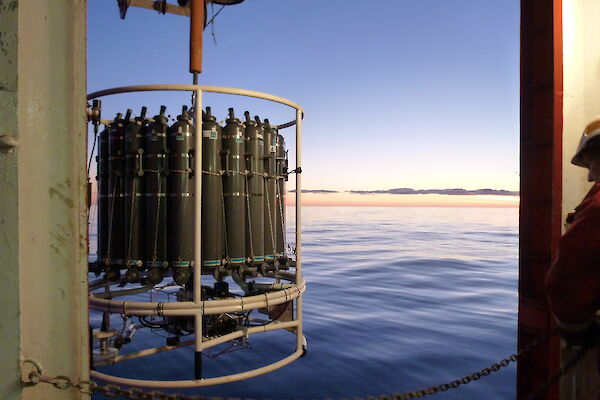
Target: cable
[(272, 320), (150, 325), (92, 152), (214, 15)]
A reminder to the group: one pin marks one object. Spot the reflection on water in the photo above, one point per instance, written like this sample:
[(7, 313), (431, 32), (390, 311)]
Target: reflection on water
[(397, 299)]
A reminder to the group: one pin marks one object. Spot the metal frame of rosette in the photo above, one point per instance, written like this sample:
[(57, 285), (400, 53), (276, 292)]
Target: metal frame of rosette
[(197, 308)]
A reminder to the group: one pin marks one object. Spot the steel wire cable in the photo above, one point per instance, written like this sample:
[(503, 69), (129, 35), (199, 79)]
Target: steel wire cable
[(110, 223), (271, 233), (281, 217), (157, 220), (249, 219), (89, 166), (131, 217)]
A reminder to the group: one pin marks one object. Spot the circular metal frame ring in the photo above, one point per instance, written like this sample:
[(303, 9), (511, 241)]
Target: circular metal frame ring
[(203, 88)]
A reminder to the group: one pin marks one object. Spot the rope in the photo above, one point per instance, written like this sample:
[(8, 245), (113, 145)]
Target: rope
[(220, 173), (232, 172)]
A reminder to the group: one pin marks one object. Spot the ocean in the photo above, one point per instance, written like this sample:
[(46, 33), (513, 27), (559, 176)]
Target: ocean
[(398, 299)]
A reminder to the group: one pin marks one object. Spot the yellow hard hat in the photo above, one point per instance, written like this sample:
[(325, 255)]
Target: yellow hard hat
[(591, 131)]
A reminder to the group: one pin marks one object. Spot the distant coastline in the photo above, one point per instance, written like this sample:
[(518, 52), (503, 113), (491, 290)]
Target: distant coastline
[(451, 192)]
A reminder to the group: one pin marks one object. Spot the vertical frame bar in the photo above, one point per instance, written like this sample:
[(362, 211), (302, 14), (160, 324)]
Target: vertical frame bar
[(541, 192), (298, 196), (198, 230), (299, 334)]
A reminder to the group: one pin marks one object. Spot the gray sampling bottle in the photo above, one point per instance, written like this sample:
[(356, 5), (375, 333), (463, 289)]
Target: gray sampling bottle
[(212, 191), (115, 253), (134, 196), (180, 213), (234, 182), (269, 153), (255, 241), (155, 188)]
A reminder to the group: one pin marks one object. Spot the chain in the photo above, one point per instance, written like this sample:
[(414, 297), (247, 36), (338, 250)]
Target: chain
[(110, 390), (61, 382), (477, 375)]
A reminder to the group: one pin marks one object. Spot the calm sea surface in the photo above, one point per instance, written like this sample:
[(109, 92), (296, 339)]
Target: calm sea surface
[(398, 299)]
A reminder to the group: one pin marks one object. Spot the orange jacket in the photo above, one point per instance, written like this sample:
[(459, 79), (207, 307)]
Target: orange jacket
[(573, 281)]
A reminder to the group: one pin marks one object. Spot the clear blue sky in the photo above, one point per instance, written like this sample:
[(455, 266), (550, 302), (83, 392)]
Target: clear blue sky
[(397, 93)]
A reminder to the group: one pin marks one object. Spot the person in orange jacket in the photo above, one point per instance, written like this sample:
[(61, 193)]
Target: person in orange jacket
[(573, 281)]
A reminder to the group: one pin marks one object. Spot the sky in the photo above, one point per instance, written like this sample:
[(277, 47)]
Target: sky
[(420, 94)]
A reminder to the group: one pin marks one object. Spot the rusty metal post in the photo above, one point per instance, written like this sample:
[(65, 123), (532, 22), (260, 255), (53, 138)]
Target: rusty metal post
[(196, 33)]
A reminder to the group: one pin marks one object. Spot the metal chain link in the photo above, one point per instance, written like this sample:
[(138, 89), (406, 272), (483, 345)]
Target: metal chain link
[(113, 391), (61, 382), (475, 376)]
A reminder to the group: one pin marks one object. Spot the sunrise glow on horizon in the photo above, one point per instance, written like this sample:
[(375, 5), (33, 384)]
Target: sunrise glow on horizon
[(346, 199)]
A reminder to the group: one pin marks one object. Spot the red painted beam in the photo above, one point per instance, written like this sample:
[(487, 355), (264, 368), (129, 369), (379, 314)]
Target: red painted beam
[(541, 184)]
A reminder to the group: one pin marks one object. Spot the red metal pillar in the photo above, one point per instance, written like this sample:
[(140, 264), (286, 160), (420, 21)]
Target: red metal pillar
[(197, 8), (541, 184)]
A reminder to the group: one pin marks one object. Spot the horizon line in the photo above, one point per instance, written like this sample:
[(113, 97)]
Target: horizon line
[(410, 191)]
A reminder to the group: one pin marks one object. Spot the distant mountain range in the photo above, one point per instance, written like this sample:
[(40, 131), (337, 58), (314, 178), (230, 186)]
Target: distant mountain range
[(452, 192), (315, 191)]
